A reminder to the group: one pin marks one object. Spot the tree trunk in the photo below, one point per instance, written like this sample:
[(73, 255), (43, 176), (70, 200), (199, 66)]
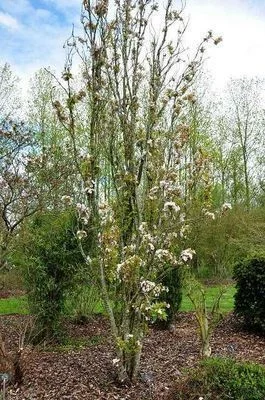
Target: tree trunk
[(129, 366), (206, 348), (6, 365), (246, 177)]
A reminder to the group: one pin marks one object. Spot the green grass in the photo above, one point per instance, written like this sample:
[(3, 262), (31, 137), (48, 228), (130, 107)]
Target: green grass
[(78, 343), (18, 305), (226, 303), (14, 305)]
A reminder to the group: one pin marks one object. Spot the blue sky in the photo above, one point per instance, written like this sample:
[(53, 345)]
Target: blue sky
[(33, 32)]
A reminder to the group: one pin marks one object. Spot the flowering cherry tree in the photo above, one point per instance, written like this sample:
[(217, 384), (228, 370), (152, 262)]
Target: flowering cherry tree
[(137, 85)]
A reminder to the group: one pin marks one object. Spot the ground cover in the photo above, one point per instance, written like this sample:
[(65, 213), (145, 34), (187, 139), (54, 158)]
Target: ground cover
[(83, 369)]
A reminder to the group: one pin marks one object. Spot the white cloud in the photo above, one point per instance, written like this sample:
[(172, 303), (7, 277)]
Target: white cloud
[(8, 21), (241, 24), (45, 25)]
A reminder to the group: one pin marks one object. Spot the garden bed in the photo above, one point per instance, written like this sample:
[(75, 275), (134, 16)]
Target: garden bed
[(82, 368)]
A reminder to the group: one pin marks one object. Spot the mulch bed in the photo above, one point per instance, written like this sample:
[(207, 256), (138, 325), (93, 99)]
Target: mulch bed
[(6, 293), (87, 372)]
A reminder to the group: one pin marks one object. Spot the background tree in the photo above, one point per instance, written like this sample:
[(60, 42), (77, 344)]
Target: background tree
[(51, 148), (10, 100), (245, 125)]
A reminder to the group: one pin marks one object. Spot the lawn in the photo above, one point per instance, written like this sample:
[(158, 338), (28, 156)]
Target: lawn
[(226, 303), (14, 305), (18, 305)]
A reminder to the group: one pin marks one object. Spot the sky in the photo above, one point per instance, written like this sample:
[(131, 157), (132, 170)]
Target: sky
[(32, 34)]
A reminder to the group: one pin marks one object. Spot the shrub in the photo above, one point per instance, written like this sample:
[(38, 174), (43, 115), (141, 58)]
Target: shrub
[(53, 259), (250, 295), (220, 378), (173, 281)]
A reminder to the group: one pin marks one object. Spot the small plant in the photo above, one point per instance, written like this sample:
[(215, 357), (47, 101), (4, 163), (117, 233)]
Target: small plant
[(207, 319), (249, 275), (220, 378), (52, 263)]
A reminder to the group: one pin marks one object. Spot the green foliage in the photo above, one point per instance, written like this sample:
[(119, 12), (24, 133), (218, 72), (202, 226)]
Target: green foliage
[(11, 279), (53, 259), (219, 243), (173, 296), (220, 379), (82, 301), (250, 296)]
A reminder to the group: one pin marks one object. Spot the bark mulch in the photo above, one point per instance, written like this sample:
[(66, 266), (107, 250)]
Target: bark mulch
[(83, 369)]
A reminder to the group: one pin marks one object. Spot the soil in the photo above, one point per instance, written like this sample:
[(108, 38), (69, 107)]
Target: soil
[(6, 293), (84, 370)]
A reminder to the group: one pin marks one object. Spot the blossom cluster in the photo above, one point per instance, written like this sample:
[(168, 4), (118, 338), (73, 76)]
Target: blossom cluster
[(187, 255)]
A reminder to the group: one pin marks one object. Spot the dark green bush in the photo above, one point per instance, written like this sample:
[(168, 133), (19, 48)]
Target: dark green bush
[(53, 258), (220, 379), (249, 275), (173, 296)]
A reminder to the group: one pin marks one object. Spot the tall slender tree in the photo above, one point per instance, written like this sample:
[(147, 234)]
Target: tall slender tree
[(137, 87)]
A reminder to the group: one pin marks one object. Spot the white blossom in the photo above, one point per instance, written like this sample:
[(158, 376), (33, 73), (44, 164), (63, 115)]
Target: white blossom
[(147, 286), (85, 220), (81, 208), (164, 184), (151, 246), (162, 254), (171, 206), (182, 217), (128, 336), (187, 254), (90, 186), (119, 268), (143, 228), (210, 215), (81, 234), (129, 249), (153, 192), (67, 199), (226, 206), (184, 229), (89, 190)]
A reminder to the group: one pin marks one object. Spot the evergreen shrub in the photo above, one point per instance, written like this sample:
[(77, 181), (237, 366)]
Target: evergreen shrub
[(222, 378), (249, 275)]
